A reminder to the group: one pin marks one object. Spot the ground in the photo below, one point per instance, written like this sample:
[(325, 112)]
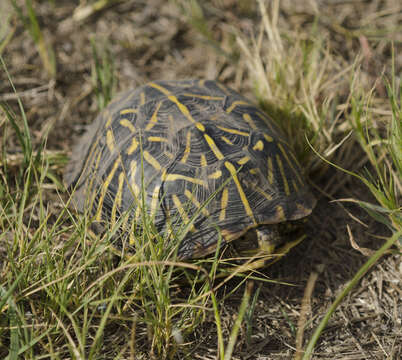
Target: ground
[(156, 39)]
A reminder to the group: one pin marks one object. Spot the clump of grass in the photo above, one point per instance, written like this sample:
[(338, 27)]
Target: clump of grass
[(31, 24), (103, 74), (294, 81), (381, 141), (23, 246), (63, 291), (384, 182)]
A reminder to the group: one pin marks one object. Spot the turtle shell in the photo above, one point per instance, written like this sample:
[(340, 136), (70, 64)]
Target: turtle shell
[(188, 151)]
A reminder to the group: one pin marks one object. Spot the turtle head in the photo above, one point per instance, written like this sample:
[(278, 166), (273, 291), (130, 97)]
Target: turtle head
[(269, 241)]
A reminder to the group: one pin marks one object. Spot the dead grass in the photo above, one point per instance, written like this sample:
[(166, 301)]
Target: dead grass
[(322, 62)]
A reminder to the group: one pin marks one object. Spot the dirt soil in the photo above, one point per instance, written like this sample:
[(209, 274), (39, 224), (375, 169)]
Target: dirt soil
[(152, 39)]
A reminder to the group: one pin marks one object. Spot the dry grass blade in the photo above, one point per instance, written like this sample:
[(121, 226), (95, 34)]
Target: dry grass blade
[(289, 76), (305, 310), (362, 271), (83, 12), (236, 327)]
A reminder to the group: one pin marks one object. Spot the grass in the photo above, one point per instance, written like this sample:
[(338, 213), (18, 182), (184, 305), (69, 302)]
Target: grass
[(385, 157), (31, 24), (103, 74), (293, 76), (63, 291), (75, 304)]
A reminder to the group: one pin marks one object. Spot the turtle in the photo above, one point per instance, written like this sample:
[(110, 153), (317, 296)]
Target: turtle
[(194, 154)]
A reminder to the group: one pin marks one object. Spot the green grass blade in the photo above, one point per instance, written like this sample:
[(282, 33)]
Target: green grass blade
[(30, 344), (31, 23), (24, 135), (250, 315), (103, 74), (14, 330), (362, 271), (5, 296), (239, 319), (218, 323)]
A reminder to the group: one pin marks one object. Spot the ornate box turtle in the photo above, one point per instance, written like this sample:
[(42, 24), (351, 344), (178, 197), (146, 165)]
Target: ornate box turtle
[(195, 151)]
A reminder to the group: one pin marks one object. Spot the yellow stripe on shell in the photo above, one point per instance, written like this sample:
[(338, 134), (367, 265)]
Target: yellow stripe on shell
[(175, 177), (224, 204), (118, 198), (151, 160), (285, 155), (187, 149), (128, 124), (199, 126), (133, 183), (133, 146), (243, 160), (282, 171), (183, 109), (235, 104), (203, 160), (157, 139), (110, 140), (270, 175), (109, 119), (249, 120), (142, 98), (268, 138), (240, 190), (204, 97), (154, 118), (226, 140), (181, 210), (104, 189), (154, 201), (213, 147), (197, 204), (258, 146), (233, 131), (128, 111), (215, 175)]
